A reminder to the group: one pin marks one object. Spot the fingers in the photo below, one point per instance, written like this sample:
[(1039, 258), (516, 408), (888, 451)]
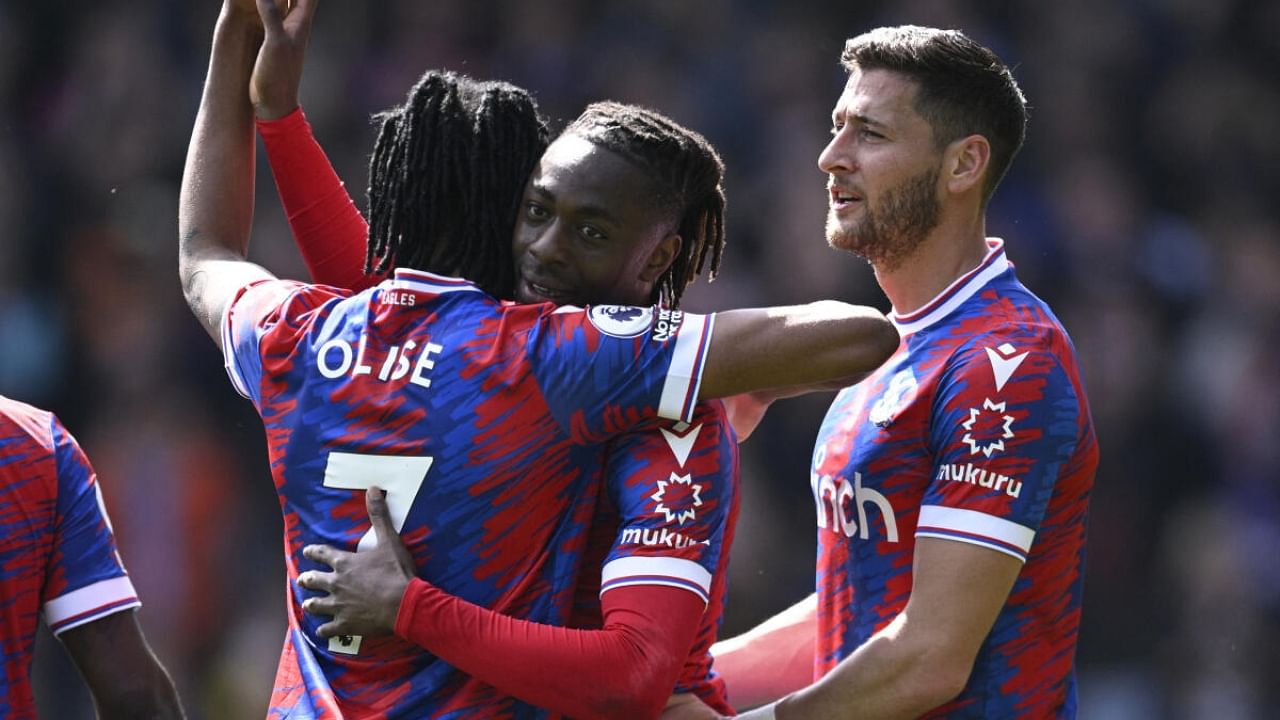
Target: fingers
[(375, 502), (324, 554), (318, 581), (301, 12), (324, 605), (272, 18)]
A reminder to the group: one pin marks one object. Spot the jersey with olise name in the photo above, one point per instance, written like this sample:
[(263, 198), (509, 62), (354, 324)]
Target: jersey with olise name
[(977, 431), (57, 553), (488, 424)]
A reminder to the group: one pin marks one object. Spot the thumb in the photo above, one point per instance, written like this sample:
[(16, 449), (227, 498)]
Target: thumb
[(375, 502)]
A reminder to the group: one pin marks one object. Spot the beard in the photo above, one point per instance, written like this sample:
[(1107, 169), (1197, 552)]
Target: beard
[(888, 234)]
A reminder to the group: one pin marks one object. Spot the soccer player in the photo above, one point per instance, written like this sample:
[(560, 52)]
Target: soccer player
[(952, 486), (572, 184), (58, 556), (428, 373)]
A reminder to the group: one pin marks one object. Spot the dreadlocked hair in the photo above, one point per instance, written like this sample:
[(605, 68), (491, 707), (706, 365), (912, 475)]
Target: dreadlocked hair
[(446, 177), (687, 172)]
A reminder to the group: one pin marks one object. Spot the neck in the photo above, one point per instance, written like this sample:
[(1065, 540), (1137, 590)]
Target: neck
[(951, 250)]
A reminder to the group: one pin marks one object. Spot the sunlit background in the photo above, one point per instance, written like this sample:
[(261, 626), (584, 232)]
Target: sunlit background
[(1143, 208)]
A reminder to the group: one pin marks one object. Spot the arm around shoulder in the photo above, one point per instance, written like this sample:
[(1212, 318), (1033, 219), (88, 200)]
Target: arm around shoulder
[(814, 344)]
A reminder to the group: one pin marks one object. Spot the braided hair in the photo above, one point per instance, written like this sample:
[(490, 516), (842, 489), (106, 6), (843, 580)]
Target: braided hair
[(446, 177), (687, 172)]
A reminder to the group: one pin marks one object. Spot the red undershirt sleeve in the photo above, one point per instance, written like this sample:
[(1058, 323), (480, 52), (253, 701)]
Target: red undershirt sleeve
[(329, 229), (628, 668)]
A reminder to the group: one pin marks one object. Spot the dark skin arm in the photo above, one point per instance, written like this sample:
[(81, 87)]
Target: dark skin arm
[(215, 207), (124, 676)]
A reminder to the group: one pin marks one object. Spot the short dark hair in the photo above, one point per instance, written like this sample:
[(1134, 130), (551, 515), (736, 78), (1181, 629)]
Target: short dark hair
[(688, 176), (446, 177), (964, 88)]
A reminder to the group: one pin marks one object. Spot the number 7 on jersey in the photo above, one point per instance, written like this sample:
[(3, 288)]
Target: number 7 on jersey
[(400, 476)]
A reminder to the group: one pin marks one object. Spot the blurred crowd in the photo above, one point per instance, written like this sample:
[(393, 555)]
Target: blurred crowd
[(1142, 208)]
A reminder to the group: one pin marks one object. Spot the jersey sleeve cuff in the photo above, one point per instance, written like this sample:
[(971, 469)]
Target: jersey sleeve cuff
[(680, 391), (671, 572), (89, 603), (269, 129), (975, 528)]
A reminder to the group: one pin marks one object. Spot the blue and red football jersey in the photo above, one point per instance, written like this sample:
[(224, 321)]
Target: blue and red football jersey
[(489, 425), (57, 553), (677, 484), (977, 430)]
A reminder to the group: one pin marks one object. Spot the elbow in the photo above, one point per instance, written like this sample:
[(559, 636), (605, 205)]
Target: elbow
[(937, 682), (641, 696), (638, 691)]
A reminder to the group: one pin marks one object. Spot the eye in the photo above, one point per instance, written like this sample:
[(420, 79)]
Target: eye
[(836, 128), (534, 211), (869, 134), (593, 234)]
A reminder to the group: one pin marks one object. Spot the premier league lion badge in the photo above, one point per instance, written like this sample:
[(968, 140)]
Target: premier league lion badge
[(621, 321)]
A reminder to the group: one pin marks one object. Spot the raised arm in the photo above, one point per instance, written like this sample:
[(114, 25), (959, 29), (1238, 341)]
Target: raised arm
[(814, 344), (215, 210), (330, 232), (123, 675)]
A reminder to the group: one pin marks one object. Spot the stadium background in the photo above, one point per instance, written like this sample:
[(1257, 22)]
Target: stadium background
[(1142, 208)]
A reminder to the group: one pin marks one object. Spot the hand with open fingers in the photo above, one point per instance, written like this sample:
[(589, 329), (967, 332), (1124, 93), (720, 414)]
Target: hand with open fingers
[(273, 88), (365, 588)]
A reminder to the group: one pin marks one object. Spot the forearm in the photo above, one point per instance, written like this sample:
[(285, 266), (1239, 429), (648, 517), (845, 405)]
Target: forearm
[(626, 669), (215, 209), (772, 659), (786, 347), (894, 675), (328, 228), (124, 676)]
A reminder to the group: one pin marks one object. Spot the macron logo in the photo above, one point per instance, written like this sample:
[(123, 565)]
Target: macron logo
[(1004, 363), (681, 444)]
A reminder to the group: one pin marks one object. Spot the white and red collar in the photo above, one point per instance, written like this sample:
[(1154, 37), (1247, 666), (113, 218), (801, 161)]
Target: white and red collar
[(956, 293), (426, 282)]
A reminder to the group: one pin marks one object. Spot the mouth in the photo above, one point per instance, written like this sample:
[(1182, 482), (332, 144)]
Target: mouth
[(842, 199), (535, 289)]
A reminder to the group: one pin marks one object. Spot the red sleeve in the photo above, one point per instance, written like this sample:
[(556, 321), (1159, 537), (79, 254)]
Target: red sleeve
[(626, 669), (329, 229)]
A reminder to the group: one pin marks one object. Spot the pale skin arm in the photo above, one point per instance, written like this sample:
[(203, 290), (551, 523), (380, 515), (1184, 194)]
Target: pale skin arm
[(817, 344), (772, 659), (215, 210), (923, 658)]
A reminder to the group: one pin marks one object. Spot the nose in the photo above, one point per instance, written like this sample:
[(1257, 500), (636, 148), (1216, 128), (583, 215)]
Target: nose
[(837, 156), (547, 245)]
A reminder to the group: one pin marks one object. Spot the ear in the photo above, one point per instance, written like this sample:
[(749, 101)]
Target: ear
[(664, 253), (965, 164)]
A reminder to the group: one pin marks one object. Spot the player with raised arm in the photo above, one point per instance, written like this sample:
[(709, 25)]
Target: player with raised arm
[(625, 230), (420, 374), (952, 486), (60, 560)]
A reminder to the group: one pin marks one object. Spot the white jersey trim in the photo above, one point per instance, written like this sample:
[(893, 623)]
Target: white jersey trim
[(425, 282), (646, 570), (684, 377), (976, 528), (90, 603), (956, 293), (229, 350)]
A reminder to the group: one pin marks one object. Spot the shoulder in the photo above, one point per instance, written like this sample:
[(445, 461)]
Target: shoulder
[(20, 421)]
